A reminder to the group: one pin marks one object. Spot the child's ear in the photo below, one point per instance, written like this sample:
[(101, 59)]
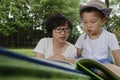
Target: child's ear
[(104, 21)]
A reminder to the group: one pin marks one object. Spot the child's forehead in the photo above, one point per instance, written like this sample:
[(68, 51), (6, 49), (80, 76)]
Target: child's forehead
[(90, 14), (94, 19), (90, 17)]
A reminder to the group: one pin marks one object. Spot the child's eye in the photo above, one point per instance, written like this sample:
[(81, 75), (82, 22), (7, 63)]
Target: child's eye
[(93, 21), (84, 22)]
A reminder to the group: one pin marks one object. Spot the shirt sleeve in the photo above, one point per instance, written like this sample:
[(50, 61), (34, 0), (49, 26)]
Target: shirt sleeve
[(113, 42), (79, 42), (40, 48)]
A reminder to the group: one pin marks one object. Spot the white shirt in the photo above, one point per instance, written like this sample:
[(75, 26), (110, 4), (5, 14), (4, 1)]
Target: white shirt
[(99, 48), (45, 46)]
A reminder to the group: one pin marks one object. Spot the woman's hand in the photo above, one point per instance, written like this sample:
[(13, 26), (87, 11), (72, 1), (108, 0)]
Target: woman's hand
[(62, 58), (57, 57)]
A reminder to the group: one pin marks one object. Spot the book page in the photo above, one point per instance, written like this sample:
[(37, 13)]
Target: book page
[(115, 69)]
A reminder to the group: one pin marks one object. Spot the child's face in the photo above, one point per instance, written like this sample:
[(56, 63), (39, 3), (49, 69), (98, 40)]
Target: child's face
[(92, 22)]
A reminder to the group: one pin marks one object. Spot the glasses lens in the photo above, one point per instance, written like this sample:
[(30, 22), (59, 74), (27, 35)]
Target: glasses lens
[(67, 30), (59, 30)]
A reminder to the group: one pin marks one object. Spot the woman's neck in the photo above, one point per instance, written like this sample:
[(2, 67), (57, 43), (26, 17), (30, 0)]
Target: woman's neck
[(59, 48), (58, 44)]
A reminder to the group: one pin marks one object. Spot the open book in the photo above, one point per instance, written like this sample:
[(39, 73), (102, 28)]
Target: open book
[(88, 66), (14, 66), (109, 71)]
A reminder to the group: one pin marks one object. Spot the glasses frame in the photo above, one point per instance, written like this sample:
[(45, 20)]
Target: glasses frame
[(59, 30)]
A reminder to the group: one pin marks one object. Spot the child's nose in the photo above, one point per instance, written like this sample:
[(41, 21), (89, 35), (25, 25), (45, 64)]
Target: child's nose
[(89, 25)]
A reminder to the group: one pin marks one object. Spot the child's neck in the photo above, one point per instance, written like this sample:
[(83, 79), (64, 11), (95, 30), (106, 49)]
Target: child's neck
[(96, 35)]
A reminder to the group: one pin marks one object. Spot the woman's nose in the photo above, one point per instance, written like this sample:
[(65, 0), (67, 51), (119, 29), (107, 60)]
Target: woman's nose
[(63, 31)]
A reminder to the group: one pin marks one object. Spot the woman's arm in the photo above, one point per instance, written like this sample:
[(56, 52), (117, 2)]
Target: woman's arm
[(116, 55), (39, 55), (62, 58), (70, 60)]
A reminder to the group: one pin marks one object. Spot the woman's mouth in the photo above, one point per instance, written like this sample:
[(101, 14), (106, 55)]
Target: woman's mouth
[(63, 38)]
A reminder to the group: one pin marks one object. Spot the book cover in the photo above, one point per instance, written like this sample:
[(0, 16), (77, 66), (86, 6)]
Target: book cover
[(14, 65)]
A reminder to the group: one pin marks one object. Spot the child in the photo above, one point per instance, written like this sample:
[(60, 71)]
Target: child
[(57, 48), (97, 43)]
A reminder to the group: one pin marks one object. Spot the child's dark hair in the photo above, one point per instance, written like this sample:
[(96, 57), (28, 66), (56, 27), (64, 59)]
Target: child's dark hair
[(92, 9), (55, 21)]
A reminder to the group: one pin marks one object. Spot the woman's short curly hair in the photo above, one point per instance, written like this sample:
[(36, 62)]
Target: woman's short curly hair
[(57, 20)]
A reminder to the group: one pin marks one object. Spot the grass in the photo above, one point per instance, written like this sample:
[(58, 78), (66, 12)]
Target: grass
[(24, 51)]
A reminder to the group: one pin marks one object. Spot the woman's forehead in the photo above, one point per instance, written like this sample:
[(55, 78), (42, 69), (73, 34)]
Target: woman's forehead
[(63, 26)]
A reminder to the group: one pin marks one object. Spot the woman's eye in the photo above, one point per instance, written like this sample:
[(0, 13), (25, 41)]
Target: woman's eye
[(58, 28)]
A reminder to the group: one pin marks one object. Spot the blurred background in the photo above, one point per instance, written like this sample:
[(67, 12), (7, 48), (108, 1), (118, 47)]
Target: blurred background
[(22, 22)]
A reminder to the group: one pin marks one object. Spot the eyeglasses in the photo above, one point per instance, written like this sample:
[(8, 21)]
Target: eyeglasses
[(59, 30)]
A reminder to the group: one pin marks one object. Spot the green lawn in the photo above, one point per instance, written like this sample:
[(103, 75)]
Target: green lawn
[(25, 51)]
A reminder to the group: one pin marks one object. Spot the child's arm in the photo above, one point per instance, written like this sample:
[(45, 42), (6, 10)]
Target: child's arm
[(79, 51), (116, 55)]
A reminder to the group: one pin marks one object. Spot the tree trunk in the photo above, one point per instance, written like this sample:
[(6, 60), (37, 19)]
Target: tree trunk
[(107, 2)]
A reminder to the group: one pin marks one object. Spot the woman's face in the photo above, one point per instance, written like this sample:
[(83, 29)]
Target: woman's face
[(92, 22), (61, 33)]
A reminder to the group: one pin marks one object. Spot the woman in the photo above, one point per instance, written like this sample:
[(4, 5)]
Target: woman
[(57, 48)]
